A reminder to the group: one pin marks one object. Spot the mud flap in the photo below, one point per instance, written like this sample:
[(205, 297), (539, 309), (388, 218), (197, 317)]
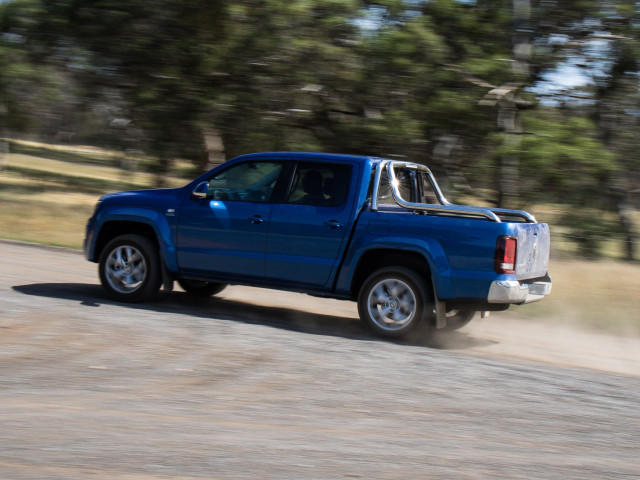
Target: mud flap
[(441, 311), (167, 280)]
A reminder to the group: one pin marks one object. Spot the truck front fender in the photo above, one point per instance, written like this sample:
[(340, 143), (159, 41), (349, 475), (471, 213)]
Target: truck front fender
[(149, 217)]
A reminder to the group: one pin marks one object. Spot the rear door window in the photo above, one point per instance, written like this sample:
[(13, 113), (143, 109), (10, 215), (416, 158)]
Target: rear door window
[(319, 184)]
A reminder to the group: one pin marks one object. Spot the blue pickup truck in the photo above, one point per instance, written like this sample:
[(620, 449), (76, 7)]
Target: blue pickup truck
[(372, 230)]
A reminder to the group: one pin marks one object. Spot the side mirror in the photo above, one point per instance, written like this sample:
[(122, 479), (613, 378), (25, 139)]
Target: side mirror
[(201, 191)]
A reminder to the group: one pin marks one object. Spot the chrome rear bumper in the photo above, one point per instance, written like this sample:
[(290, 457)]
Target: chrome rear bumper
[(512, 291)]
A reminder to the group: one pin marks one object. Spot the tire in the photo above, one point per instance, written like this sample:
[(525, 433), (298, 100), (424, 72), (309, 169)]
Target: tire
[(456, 319), (201, 289), (394, 302), (129, 268)]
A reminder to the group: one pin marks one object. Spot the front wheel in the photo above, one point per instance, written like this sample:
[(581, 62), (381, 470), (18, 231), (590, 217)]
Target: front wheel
[(394, 301), (201, 289), (129, 268)]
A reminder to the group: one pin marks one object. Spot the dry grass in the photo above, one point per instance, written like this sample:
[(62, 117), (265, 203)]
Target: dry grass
[(44, 222), (49, 201), (599, 294), (97, 151), (28, 164)]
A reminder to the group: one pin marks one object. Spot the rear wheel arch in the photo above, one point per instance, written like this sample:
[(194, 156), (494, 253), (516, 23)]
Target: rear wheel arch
[(376, 259)]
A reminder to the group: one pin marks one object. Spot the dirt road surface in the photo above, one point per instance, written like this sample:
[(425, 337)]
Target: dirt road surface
[(270, 385)]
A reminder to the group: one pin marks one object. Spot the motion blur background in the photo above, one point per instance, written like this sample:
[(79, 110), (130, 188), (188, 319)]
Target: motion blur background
[(530, 104)]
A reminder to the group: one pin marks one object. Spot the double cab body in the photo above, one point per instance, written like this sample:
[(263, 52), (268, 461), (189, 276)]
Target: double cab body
[(361, 228)]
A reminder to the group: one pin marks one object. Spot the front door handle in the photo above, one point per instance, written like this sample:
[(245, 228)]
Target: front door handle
[(256, 219), (333, 224)]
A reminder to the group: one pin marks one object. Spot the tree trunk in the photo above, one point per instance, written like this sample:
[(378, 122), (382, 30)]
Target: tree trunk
[(213, 149), (4, 145), (625, 217), (508, 118), (446, 154), (4, 152), (509, 163)]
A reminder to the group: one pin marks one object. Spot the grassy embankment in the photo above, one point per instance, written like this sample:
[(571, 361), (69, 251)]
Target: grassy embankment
[(48, 193)]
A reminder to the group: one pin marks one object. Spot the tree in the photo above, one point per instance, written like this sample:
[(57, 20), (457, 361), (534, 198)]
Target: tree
[(605, 43), (33, 95), (455, 84)]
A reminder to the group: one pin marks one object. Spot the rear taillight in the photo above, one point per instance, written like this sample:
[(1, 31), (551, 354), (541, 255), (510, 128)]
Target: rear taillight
[(505, 259)]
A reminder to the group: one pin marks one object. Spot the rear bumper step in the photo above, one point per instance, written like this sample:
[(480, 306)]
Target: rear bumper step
[(512, 291)]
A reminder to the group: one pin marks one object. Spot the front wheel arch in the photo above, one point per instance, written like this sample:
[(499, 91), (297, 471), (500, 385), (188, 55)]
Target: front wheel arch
[(115, 228)]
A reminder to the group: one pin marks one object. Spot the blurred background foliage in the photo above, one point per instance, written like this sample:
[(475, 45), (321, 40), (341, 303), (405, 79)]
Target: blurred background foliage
[(518, 103)]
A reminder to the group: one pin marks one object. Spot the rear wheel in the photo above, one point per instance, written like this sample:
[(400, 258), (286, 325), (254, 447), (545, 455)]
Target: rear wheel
[(394, 301), (201, 289), (129, 268), (456, 319)]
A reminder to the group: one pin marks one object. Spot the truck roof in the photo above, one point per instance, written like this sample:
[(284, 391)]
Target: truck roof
[(362, 159)]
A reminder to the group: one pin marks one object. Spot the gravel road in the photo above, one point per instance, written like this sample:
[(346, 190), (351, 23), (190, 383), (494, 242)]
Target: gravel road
[(271, 385)]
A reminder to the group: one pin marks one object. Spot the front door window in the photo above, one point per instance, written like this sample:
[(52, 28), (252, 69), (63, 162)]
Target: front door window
[(247, 182)]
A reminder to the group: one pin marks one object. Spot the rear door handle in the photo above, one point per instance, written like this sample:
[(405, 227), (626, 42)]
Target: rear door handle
[(256, 219), (333, 224)]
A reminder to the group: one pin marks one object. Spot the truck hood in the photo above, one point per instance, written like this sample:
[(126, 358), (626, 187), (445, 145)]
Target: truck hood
[(139, 198), (137, 193)]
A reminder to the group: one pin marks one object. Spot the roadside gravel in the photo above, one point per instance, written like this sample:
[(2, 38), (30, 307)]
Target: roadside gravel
[(273, 385)]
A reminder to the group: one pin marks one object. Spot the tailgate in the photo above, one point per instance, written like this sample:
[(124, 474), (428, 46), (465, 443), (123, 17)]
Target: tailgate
[(532, 258)]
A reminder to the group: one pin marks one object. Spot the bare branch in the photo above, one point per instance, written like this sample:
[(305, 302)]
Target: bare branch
[(468, 77)]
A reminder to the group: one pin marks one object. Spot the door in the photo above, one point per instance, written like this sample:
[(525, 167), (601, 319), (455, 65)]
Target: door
[(308, 229), (225, 234)]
